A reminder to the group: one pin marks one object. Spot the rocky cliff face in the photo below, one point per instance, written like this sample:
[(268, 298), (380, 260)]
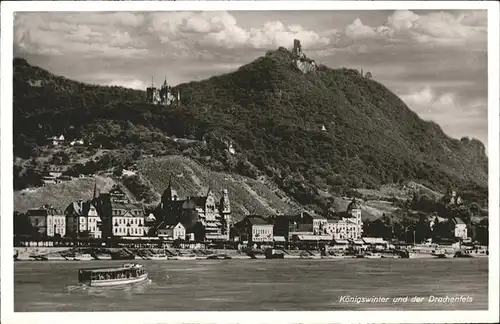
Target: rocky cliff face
[(305, 67)]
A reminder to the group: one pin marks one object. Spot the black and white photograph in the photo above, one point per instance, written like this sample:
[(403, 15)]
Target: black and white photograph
[(267, 157)]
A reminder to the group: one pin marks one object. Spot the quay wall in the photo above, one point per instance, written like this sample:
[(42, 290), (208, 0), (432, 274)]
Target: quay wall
[(28, 253)]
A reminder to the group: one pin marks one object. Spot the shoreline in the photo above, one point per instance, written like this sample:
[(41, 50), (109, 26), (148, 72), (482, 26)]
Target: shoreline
[(32, 254)]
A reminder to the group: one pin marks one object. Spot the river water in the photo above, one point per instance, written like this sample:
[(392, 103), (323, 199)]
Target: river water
[(259, 285)]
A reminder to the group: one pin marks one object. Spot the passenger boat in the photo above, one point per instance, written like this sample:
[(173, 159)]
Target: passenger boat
[(423, 251), (444, 254), (183, 257), (274, 254), (103, 257), (83, 257), (390, 255), (218, 257), (128, 273), (333, 256), (56, 257), (122, 256), (372, 255), (473, 253), (39, 257), (158, 257)]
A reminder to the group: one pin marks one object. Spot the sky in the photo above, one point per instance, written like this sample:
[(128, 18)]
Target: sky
[(436, 61)]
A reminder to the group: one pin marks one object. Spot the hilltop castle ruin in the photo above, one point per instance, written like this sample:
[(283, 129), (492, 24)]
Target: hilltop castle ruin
[(163, 95), (304, 64)]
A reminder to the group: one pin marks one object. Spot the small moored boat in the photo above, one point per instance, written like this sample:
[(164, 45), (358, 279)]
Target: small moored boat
[(188, 257), (372, 255), (274, 254), (158, 257), (83, 257), (102, 277)]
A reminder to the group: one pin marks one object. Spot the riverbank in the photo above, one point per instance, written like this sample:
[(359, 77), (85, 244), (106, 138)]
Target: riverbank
[(155, 254), (88, 254)]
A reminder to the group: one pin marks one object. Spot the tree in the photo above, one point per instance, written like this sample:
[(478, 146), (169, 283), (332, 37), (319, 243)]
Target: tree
[(199, 232), (22, 225), (118, 171), (442, 230)]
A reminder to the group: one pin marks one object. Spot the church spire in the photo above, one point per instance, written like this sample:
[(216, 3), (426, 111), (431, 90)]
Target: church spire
[(95, 190)]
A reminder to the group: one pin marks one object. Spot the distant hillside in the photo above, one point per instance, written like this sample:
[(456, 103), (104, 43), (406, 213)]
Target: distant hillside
[(247, 196), (273, 114), (60, 195)]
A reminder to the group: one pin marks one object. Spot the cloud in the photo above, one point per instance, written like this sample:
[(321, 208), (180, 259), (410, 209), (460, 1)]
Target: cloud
[(220, 29), (457, 117), (132, 84), (435, 60), (127, 19), (404, 26), (51, 34), (358, 30)]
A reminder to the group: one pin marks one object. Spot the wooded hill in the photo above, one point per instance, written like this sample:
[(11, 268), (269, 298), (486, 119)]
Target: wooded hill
[(273, 114)]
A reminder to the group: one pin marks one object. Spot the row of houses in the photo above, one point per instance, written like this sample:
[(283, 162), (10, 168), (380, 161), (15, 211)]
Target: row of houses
[(113, 214), (200, 217), (305, 227)]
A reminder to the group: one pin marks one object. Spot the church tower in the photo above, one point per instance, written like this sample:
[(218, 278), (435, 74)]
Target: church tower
[(224, 203), (225, 212), (169, 195), (354, 208)]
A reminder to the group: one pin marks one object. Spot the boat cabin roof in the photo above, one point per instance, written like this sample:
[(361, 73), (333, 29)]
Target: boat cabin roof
[(122, 268)]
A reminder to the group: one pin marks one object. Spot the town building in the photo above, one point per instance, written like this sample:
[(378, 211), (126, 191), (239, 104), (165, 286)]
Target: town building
[(303, 223), (213, 215), (339, 245), (304, 229), (77, 142), (435, 220), (319, 224), (375, 243), (56, 140), (359, 245), (150, 223), (350, 226), (255, 229), (82, 219), (47, 180), (454, 199), (172, 232), (460, 228), (120, 216), (453, 227), (47, 221)]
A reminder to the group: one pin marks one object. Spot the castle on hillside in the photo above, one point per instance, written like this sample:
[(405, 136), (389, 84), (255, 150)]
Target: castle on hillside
[(303, 63), (162, 96)]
